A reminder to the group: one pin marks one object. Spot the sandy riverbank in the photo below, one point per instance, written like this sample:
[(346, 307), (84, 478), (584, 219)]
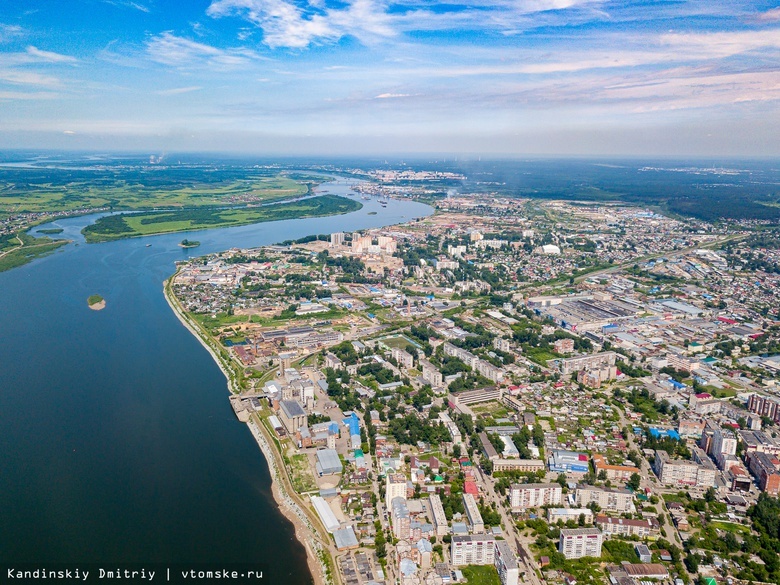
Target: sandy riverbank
[(304, 531)]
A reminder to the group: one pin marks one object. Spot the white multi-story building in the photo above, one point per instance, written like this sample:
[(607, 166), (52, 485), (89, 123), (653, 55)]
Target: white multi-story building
[(403, 357), (400, 518), (532, 495), (452, 428), (679, 472), (580, 542), (476, 523), (438, 517), (445, 264), (585, 362), (723, 443), (336, 239), (627, 527), (681, 362), (482, 367), (431, 373), (506, 563), (395, 487), (473, 549), (614, 500)]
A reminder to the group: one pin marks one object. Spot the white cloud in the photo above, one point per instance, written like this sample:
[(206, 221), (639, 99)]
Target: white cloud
[(722, 44), (285, 24), (169, 49), (128, 4), (22, 77), (290, 24), (25, 95), (179, 90), (772, 15), (386, 96), (49, 56), (9, 31)]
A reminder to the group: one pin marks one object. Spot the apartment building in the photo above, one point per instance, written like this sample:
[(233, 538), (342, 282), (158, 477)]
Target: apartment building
[(476, 524), (766, 469), (506, 563), (681, 362), (580, 542), (723, 443), (528, 465), (759, 441), (403, 357), (678, 472), (532, 495), (764, 406), (395, 487), (430, 373), (614, 500), (645, 528), (571, 365), (473, 549), (400, 518), (438, 517)]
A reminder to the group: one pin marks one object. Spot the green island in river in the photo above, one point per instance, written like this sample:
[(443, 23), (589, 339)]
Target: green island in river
[(185, 243), (114, 227), (96, 302)]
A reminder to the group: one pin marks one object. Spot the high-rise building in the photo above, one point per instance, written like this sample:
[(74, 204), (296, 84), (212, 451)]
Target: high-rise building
[(476, 523), (533, 495), (506, 563), (614, 500), (395, 487), (438, 517), (473, 549), (723, 443), (580, 542)]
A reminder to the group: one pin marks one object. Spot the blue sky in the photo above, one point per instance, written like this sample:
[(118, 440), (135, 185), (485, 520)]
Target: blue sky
[(507, 77)]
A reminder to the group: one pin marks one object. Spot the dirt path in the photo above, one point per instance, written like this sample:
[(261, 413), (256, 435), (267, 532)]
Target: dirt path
[(19, 247)]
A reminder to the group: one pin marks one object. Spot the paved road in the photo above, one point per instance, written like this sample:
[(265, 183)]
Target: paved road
[(524, 557)]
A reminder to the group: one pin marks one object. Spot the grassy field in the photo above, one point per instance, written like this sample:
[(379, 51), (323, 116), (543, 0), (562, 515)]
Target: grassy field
[(120, 226), (730, 527), (141, 193), (19, 249), (481, 575), (540, 356), (300, 472), (399, 342), (492, 409)]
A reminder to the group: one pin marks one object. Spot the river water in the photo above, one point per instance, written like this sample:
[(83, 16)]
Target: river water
[(117, 441)]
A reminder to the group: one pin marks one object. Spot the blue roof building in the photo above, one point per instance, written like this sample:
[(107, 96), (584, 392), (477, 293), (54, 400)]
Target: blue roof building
[(353, 423)]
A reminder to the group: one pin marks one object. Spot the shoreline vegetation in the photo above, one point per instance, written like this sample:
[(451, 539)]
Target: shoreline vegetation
[(20, 248), (78, 192), (120, 226), (96, 302), (308, 529)]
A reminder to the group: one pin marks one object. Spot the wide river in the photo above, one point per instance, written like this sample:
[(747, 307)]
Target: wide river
[(117, 441)]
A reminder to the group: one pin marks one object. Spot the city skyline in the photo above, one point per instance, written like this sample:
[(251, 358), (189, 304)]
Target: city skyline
[(547, 77)]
